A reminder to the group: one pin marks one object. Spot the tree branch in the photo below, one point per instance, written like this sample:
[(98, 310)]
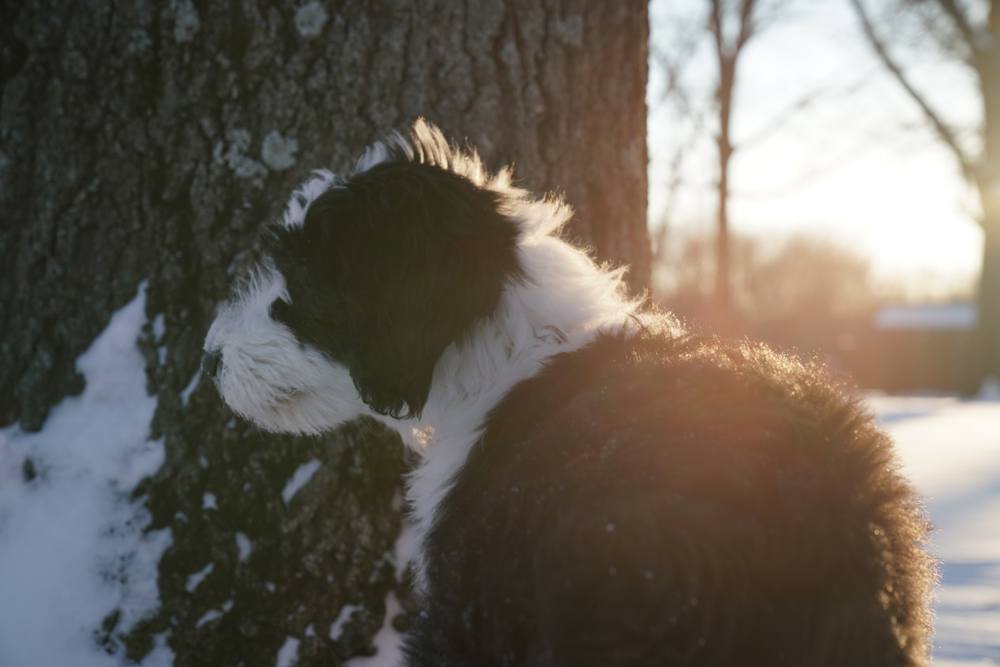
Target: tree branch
[(824, 91), (945, 133), (958, 17), (746, 24), (715, 27), (674, 89)]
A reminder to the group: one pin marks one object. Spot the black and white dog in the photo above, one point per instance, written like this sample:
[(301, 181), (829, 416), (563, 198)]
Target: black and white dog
[(597, 486)]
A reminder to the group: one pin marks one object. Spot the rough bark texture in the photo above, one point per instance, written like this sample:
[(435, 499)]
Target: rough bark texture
[(146, 141)]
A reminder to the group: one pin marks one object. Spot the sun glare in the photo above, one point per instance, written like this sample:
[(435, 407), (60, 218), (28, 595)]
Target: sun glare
[(861, 169)]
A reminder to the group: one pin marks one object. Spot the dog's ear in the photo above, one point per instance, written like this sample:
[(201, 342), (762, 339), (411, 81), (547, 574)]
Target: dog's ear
[(421, 256)]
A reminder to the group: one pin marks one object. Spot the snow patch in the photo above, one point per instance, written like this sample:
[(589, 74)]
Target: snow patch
[(186, 21), (288, 655), (214, 614), (345, 614), (208, 617), (72, 547), (235, 156), (278, 151), (159, 327), (194, 580), (310, 19), (191, 386), (301, 477), (243, 547), (388, 642), (950, 449), (161, 655), (990, 389), (209, 502), (961, 316), (405, 549)]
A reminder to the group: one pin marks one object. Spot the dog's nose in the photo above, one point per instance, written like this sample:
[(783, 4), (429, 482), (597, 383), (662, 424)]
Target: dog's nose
[(211, 362)]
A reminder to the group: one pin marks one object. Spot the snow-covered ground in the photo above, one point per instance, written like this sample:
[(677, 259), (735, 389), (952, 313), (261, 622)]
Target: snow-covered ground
[(72, 547), (951, 450), (71, 543)]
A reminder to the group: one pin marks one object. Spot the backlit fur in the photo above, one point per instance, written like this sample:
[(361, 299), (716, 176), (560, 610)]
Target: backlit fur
[(596, 485)]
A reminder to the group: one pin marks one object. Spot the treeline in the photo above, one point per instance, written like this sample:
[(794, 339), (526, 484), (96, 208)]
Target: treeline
[(805, 294)]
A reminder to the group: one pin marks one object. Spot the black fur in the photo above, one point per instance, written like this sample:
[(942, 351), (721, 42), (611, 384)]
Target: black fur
[(390, 267), (666, 500), (654, 500)]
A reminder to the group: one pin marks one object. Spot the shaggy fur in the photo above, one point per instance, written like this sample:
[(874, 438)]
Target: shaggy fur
[(597, 486)]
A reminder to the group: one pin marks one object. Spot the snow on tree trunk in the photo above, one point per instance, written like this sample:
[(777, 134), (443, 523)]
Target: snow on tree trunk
[(150, 141)]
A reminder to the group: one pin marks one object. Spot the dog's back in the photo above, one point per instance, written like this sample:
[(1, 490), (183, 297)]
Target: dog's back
[(666, 500)]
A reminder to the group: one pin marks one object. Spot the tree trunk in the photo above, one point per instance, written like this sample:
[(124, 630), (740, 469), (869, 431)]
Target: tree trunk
[(988, 182), (728, 48), (151, 141), (989, 298), (723, 314)]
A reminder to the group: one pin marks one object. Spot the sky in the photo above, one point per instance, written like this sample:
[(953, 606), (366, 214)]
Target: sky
[(857, 165)]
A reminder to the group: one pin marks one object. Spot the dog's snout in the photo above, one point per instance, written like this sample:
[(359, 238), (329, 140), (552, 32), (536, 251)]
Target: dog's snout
[(211, 362)]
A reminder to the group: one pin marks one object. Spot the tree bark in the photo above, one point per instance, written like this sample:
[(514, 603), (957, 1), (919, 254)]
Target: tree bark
[(988, 66), (151, 141), (989, 299)]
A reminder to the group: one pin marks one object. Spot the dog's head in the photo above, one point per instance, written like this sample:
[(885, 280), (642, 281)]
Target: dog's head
[(364, 283)]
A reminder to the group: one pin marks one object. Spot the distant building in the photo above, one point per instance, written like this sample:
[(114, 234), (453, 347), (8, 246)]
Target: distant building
[(919, 348)]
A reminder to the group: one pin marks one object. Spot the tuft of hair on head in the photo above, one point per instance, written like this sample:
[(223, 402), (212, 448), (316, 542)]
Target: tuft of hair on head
[(425, 143)]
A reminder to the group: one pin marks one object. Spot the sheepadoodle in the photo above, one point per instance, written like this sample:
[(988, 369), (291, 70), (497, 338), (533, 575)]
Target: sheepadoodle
[(597, 486)]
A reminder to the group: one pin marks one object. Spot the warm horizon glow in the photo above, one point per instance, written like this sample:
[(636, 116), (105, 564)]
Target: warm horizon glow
[(859, 167)]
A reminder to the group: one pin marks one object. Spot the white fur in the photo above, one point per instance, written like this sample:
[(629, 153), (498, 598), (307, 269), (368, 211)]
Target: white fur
[(380, 151), (300, 201), (266, 376)]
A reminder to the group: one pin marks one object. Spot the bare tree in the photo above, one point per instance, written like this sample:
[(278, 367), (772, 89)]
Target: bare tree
[(729, 43), (729, 26), (150, 142), (976, 45)]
